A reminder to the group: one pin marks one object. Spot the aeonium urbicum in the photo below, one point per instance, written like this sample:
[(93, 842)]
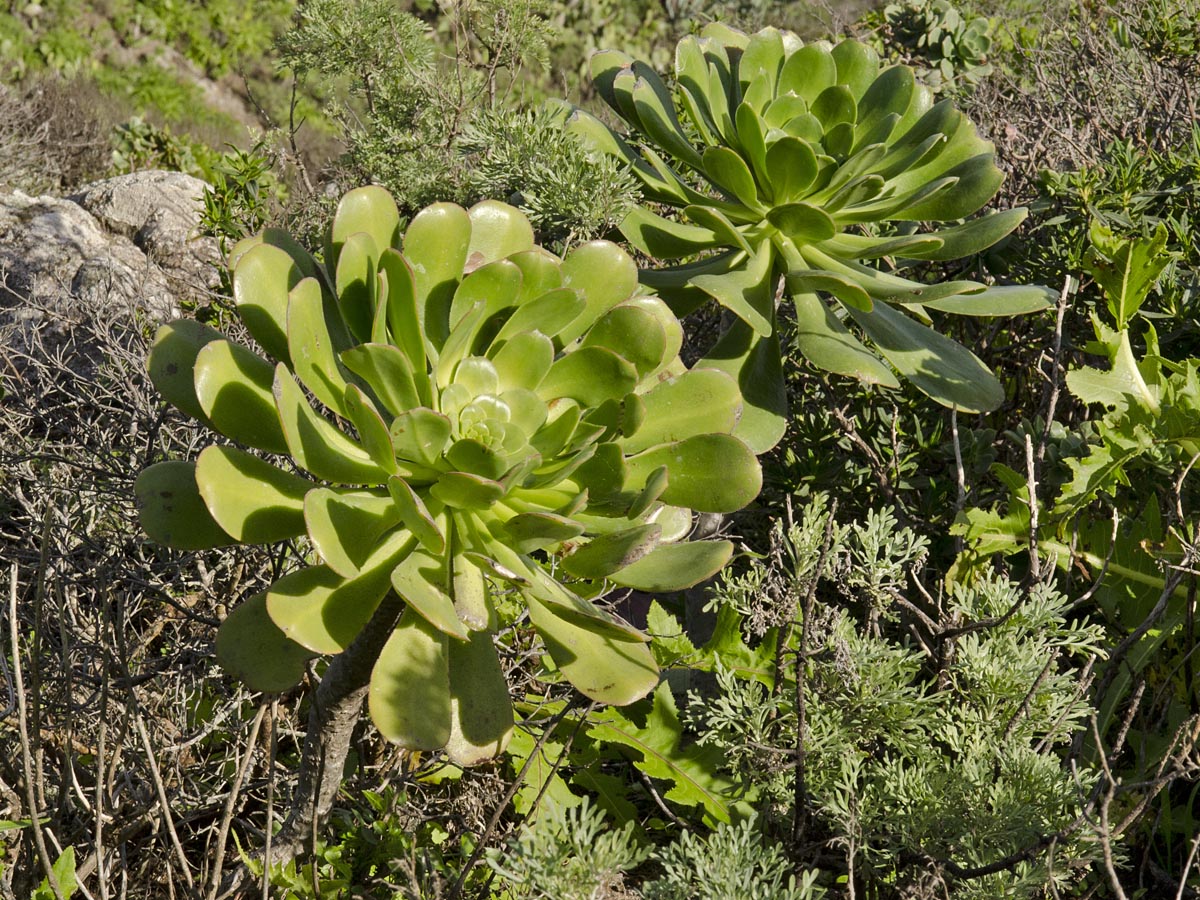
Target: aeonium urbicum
[(814, 166), (452, 411)]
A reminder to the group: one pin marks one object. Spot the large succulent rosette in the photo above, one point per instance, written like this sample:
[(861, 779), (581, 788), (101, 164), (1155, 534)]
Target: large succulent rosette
[(815, 164), (452, 412)]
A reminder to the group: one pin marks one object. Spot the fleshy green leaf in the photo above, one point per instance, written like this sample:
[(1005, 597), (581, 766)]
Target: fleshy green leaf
[(523, 360), (756, 362), (314, 359), (1010, 300), (792, 167), (254, 650), (729, 172), (944, 370), (674, 567), (357, 266), (699, 401), (633, 333), (262, 280), (590, 375), (497, 230), (465, 491), (409, 698), (345, 526), (748, 291), (857, 65), (481, 713), (323, 611), (416, 516), (387, 372), (971, 237), (550, 314), (664, 238), (540, 530), (403, 311), (171, 510), (608, 553), (372, 432), (604, 275), (316, 444), (808, 72), (420, 435), (422, 579), (708, 472), (368, 210), (233, 387), (172, 363), (828, 344), (249, 498), (803, 222), (601, 667), (435, 246)]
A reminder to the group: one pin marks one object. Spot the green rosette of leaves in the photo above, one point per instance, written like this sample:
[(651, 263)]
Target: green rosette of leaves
[(811, 162), (453, 413)]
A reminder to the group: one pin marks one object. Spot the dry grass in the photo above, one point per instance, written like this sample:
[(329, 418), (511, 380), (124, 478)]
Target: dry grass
[(54, 134)]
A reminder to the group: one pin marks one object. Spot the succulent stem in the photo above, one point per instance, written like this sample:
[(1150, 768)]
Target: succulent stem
[(335, 712)]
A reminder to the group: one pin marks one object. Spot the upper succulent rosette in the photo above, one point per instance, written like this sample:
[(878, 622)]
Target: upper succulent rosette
[(463, 410), (785, 160)]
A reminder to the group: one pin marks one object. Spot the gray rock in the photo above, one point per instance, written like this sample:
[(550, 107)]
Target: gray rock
[(122, 242), (160, 212), (123, 204)]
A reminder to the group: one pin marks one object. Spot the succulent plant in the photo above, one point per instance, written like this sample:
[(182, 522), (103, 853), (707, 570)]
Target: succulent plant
[(936, 34), (790, 160), (466, 414)]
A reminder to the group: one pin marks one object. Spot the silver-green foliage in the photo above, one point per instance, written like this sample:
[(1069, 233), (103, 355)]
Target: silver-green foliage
[(734, 862), (813, 164), (566, 188), (968, 745), (573, 853), (567, 853), (434, 114)]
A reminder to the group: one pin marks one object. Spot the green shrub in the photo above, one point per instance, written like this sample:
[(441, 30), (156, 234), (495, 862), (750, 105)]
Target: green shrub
[(567, 853), (920, 756), (570, 194), (450, 127), (573, 853), (217, 35), (139, 145)]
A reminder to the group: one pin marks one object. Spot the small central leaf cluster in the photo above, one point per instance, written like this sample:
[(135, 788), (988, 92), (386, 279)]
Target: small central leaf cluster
[(935, 31), (462, 408)]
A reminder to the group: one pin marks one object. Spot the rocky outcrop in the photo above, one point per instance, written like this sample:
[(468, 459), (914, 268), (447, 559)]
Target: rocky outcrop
[(122, 242)]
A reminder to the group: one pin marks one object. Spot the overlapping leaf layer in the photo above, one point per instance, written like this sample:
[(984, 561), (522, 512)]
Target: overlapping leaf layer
[(785, 159), (465, 412)]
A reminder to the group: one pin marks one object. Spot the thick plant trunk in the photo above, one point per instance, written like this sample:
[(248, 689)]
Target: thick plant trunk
[(336, 710)]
